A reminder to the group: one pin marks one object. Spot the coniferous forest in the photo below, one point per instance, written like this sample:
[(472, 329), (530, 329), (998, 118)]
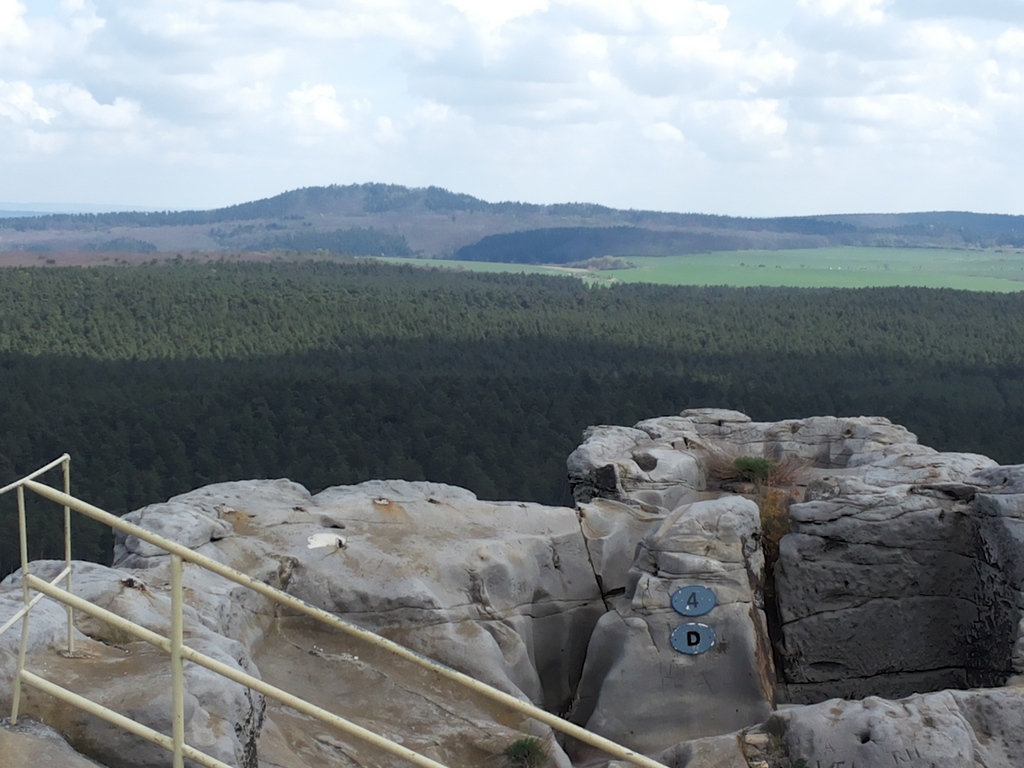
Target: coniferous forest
[(163, 378)]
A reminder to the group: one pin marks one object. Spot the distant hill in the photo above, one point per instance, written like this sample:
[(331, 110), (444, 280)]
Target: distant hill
[(392, 220)]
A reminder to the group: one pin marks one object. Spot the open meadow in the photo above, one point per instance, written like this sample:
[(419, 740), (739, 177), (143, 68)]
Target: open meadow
[(974, 270)]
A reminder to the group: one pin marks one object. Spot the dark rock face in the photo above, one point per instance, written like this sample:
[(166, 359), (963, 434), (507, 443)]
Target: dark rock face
[(893, 591)]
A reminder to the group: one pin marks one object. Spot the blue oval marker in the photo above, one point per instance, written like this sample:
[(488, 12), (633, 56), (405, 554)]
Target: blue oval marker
[(693, 601), (693, 638)]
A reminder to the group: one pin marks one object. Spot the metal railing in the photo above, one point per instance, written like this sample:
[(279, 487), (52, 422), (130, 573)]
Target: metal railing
[(179, 652)]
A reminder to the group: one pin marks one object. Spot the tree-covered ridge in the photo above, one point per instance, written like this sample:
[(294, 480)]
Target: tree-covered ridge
[(160, 379), (566, 245), (357, 218)]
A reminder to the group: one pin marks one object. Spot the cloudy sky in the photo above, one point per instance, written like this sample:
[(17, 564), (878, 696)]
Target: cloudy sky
[(748, 107)]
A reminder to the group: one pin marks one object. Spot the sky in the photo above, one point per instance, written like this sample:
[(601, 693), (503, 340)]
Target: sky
[(740, 107)]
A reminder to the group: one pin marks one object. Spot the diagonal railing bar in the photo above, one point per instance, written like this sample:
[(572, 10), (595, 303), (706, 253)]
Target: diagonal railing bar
[(32, 603)]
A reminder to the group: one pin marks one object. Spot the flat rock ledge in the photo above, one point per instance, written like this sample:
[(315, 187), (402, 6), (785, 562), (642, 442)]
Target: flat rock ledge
[(867, 610)]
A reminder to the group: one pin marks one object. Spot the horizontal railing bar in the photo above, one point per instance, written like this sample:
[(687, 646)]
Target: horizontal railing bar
[(34, 475), (118, 719), (81, 604), (189, 654), (525, 708)]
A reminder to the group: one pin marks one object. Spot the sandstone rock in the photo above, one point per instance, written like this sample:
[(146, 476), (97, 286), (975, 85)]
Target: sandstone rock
[(636, 688), (503, 591), (620, 463), (186, 524), (31, 744), (47, 631), (517, 578), (612, 531), (952, 729), (1000, 479), (894, 589), (597, 465), (709, 752)]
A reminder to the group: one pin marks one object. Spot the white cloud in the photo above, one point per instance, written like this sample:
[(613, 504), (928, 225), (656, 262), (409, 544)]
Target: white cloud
[(317, 107), (386, 132), (431, 113), (49, 143), (18, 104), (664, 132), (941, 39), (12, 23), (78, 107), (544, 99), (914, 116), (849, 11), (662, 17), (1011, 42), (487, 16)]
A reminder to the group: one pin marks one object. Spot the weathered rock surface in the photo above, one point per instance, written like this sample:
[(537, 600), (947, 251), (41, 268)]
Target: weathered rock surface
[(128, 676), (712, 543), (31, 744), (902, 573), (952, 729), (889, 589), (503, 591)]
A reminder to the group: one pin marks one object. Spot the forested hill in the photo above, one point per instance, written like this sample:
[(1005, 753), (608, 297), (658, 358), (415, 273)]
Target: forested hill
[(383, 219), (161, 379)]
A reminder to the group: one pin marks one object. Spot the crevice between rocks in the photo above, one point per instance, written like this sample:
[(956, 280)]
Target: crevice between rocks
[(590, 560)]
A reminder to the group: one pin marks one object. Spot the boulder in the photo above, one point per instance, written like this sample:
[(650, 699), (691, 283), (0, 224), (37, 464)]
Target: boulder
[(639, 690), (889, 589), (502, 591), (619, 463)]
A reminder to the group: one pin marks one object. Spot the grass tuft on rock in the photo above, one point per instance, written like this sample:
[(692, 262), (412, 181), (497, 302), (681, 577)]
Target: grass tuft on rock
[(527, 752)]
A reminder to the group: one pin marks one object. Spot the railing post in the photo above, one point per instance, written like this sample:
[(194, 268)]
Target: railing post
[(177, 675), (67, 552), (22, 648)]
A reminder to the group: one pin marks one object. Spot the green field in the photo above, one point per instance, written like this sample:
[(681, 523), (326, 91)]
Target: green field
[(977, 270)]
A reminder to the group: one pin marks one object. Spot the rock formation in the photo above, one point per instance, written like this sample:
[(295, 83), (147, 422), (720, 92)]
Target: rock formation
[(674, 610)]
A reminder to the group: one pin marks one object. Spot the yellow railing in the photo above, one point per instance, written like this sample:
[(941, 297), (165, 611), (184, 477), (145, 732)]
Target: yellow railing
[(179, 652)]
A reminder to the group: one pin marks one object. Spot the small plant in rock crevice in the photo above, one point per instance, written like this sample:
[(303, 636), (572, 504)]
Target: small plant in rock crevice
[(726, 464), (773, 505), (753, 469), (770, 477), (527, 752)]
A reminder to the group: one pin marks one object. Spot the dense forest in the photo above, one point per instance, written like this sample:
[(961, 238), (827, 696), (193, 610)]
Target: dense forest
[(159, 379), (566, 245)]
